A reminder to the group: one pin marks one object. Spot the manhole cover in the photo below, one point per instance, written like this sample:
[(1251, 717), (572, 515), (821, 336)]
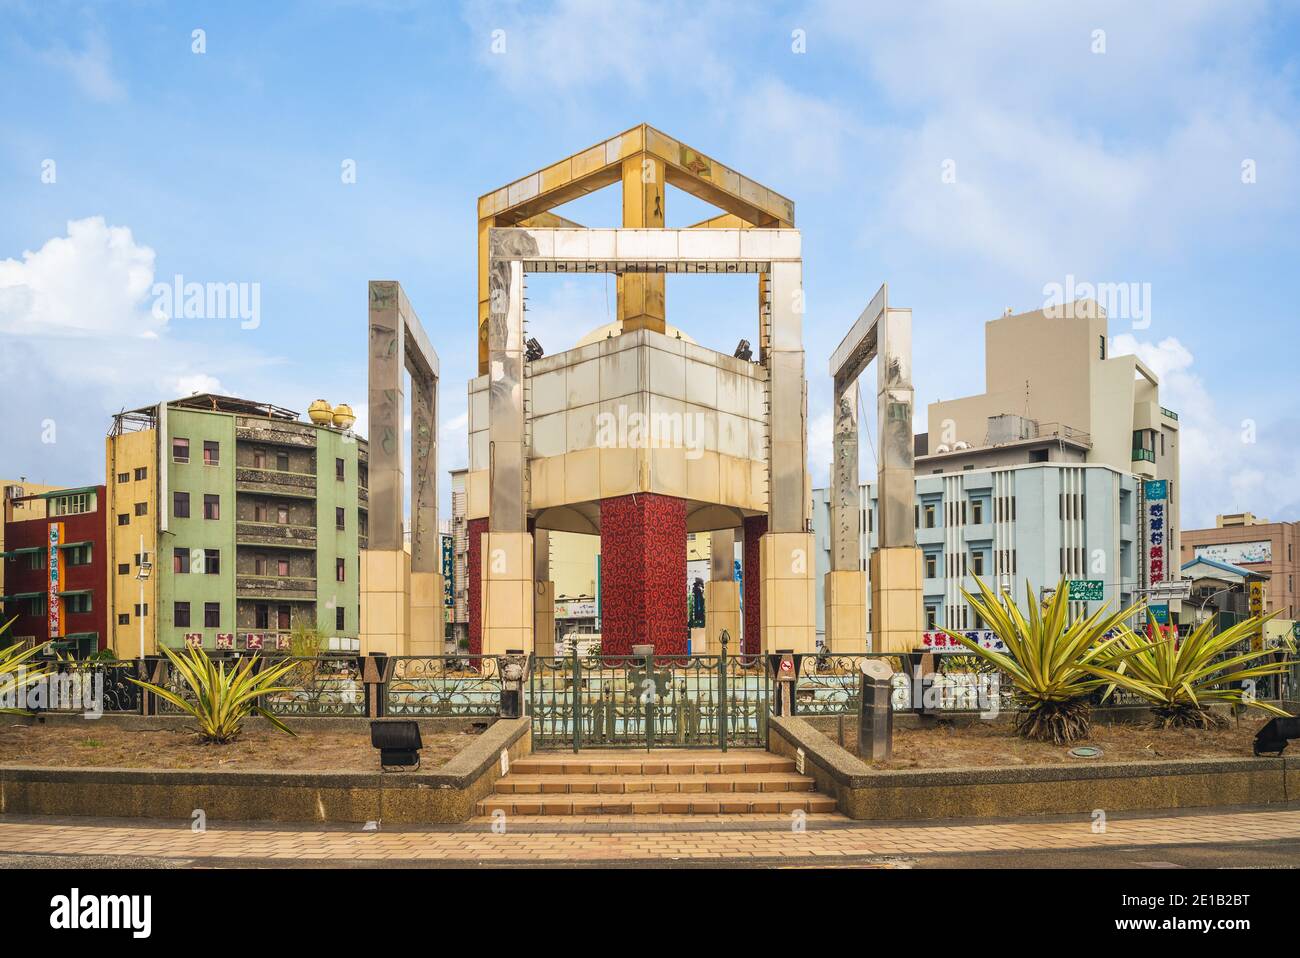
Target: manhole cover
[(1085, 751)]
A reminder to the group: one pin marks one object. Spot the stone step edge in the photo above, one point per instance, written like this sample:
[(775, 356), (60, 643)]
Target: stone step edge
[(692, 804), (528, 766), (652, 785)]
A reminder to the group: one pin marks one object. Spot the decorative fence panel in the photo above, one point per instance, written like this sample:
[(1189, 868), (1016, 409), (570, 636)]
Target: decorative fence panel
[(79, 686), (444, 685), (621, 701)]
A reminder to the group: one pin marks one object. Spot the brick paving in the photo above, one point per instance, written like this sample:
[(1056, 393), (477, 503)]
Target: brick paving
[(695, 839)]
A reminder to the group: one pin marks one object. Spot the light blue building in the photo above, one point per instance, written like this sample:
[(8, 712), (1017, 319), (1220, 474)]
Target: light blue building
[(1010, 525)]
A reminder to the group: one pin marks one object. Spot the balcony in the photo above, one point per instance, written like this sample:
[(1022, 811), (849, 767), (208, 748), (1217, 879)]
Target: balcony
[(273, 587), (273, 482), (274, 534), (270, 432)]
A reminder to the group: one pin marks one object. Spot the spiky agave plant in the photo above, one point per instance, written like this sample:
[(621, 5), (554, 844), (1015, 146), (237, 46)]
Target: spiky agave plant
[(1182, 677), (223, 697), (1049, 659), (15, 673)]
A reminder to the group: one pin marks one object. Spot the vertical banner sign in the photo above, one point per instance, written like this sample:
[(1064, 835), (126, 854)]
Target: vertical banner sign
[(55, 576), (448, 572), (1156, 494), (1256, 591)]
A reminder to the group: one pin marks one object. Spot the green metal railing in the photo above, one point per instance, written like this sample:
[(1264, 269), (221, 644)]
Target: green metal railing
[(663, 701)]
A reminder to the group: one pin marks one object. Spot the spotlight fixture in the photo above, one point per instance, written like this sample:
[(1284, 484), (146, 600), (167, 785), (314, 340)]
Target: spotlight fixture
[(1273, 737), (743, 351), (533, 350), (398, 742)]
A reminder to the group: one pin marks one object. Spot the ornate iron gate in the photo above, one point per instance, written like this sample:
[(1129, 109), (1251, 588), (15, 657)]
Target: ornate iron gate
[(664, 701)]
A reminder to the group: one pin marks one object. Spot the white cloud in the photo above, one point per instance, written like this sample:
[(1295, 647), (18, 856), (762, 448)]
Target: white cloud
[(582, 44), (1227, 463), (90, 68), (92, 282)]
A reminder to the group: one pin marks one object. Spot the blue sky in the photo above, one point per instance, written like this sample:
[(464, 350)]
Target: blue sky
[(1122, 164)]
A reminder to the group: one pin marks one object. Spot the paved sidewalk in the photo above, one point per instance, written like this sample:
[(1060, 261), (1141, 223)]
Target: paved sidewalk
[(660, 840)]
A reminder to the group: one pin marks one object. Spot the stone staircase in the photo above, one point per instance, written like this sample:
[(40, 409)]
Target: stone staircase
[(661, 782)]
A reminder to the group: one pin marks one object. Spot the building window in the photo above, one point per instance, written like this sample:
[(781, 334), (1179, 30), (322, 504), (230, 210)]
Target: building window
[(141, 557), (339, 619), (282, 567), (211, 506), (123, 477), (282, 461), (261, 616), (211, 453), (1101, 347), (36, 560), (339, 517), (141, 508), (211, 561), (931, 566), (363, 524), (282, 515), (123, 518), (141, 610), (180, 450), (929, 516), (339, 567), (181, 505), (77, 603), (36, 606), (259, 512), (73, 505), (124, 568), (181, 615), (259, 458), (141, 473), (339, 470), (931, 618), (80, 555), (977, 563), (363, 475), (124, 618), (259, 565), (282, 618), (181, 561), (212, 615), (976, 511)]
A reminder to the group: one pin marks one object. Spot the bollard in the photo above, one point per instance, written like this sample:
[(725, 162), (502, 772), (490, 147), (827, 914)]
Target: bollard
[(513, 669), (875, 716), (376, 672)]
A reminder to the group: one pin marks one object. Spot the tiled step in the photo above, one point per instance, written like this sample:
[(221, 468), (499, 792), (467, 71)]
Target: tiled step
[(533, 784), (677, 762), (693, 803)]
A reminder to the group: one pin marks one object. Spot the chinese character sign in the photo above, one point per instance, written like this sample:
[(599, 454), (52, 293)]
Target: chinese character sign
[(942, 642), (1156, 493), (55, 579), (448, 572)]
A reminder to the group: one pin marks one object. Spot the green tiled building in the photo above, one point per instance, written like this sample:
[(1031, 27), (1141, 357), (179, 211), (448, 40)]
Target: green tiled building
[(249, 519)]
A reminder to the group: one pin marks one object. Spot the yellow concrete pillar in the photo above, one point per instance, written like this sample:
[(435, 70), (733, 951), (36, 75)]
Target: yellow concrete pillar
[(385, 604), (427, 616), (507, 577), (544, 618), (788, 611), (845, 595), (721, 611), (641, 295), (897, 615)]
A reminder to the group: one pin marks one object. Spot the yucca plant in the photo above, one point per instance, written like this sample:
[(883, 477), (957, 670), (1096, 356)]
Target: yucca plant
[(223, 697), (15, 672), (1182, 677), (1049, 659)]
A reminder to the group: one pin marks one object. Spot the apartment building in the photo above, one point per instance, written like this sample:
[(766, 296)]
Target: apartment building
[(232, 522), (1066, 465), (1258, 546), (54, 559), (27, 504)]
